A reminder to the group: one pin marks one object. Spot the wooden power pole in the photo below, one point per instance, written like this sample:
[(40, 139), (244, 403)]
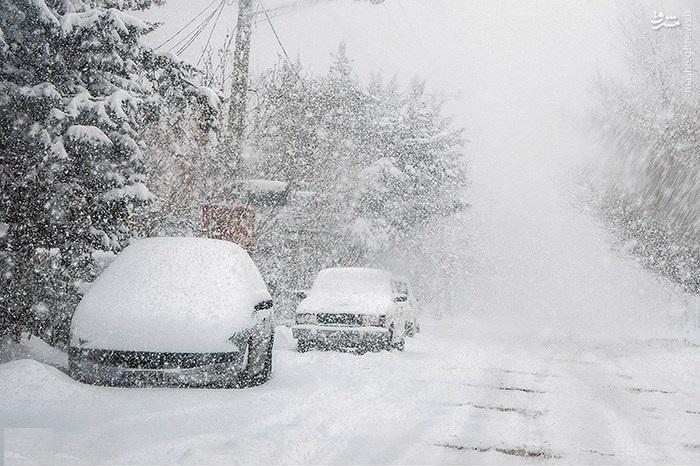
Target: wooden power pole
[(239, 86)]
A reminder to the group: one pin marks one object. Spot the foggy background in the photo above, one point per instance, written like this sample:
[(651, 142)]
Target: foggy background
[(518, 76)]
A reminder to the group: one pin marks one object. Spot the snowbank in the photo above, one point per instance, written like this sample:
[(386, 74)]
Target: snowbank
[(172, 295), (24, 380)]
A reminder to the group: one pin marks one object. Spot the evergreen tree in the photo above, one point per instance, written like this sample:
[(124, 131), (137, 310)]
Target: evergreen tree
[(371, 165), (77, 86)]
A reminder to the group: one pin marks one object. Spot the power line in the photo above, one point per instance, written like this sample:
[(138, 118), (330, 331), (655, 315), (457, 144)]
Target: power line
[(275, 32), (189, 35), (195, 33), (206, 45), (409, 22), (186, 25), (284, 50)]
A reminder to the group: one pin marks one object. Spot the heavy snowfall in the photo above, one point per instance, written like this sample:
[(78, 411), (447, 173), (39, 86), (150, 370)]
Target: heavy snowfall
[(349, 232)]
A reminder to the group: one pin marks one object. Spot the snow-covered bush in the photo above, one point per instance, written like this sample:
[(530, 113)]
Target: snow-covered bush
[(77, 87)]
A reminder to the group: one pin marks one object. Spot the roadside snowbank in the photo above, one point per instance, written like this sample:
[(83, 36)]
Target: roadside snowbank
[(460, 393)]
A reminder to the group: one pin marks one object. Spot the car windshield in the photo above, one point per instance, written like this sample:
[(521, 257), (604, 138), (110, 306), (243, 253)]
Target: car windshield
[(352, 281)]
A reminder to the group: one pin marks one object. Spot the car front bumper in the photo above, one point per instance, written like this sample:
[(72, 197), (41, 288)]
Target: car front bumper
[(144, 369), (327, 336)]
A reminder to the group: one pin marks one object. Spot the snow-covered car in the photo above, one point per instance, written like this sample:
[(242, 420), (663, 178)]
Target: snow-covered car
[(175, 312), (359, 308)]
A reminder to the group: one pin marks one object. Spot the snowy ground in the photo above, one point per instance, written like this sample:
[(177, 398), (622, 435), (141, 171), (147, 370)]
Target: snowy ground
[(461, 393)]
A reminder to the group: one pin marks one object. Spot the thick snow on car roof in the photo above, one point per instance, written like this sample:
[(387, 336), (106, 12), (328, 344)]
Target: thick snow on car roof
[(171, 295), (353, 280), (356, 290)]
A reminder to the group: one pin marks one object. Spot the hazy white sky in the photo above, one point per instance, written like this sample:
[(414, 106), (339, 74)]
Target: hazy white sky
[(488, 52)]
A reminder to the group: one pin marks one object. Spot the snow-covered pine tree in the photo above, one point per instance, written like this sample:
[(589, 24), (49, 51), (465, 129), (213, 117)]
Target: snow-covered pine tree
[(284, 130), (373, 164), (183, 167), (76, 87)]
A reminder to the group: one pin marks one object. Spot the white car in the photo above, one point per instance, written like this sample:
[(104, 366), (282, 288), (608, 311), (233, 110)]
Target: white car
[(358, 308), (175, 312)]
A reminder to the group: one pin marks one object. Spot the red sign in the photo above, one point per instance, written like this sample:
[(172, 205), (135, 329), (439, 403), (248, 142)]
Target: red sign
[(230, 223)]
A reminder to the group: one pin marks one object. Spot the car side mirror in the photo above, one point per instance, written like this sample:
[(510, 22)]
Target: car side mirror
[(262, 305), (401, 298), (301, 294)]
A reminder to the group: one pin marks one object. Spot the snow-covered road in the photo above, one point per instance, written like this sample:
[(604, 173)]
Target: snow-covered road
[(461, 393)]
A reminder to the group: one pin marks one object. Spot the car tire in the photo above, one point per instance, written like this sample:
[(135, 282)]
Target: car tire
[(303, 345), (246, 379), (397, 345), (74, 370)]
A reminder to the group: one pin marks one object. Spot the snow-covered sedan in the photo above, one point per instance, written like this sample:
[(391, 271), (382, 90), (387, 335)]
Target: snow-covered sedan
[(175, 312), (358, 308)]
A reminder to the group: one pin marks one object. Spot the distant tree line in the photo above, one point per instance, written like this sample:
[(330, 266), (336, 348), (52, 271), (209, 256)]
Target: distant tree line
[(651, 124)]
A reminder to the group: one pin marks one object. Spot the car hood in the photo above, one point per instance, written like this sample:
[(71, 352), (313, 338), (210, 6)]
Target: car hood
[(346, 303)]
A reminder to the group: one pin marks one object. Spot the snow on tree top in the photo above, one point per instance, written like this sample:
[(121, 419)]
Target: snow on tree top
[(40, 90), (260, 185), (46, 16), (88, 19), (212, 99), (136, 190), (88, 133)]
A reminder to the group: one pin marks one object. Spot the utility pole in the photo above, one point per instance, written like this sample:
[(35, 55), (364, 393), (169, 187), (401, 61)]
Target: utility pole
[(239, 87)]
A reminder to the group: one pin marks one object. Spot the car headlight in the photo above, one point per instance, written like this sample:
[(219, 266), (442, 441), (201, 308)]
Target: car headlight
[(306, 318), (373, 320)]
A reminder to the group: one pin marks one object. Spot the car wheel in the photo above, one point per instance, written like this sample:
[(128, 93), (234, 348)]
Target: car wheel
[(74, 370), (393, 344), (303, 345), (248, 379)]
